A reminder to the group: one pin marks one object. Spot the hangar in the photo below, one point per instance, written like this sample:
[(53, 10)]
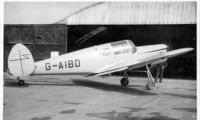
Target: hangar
[(172, 23), (75, 97)]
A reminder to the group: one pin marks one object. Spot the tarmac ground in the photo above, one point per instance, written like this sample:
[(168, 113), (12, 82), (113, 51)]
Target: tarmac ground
[(70, 97)]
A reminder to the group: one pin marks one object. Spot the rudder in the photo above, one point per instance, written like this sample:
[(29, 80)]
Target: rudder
[(20, 61)]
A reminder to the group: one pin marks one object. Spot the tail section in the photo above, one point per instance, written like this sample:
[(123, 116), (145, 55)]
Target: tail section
[(20, 61)]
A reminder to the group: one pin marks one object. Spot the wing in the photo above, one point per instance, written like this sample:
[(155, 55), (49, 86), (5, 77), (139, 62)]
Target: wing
[(139, 60)]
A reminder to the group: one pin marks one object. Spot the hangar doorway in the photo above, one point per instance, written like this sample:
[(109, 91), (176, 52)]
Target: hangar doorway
[(175, 36)]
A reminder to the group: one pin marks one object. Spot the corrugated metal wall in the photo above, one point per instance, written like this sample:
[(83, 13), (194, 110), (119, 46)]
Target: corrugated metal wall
[(136, 13)]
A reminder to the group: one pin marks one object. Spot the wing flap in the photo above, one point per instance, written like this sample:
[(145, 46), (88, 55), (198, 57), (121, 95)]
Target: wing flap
[(109, 67), (108, 72)]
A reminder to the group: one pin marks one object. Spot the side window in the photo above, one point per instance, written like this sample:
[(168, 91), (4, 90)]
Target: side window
[(117, 52), (126, 50), (106, 51)]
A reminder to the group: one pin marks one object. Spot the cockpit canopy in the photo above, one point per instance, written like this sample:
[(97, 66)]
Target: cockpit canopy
[(118, 48), (124, 46)]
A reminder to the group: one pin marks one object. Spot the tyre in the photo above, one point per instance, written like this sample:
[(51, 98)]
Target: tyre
[(124, 82), (21, 82), (150, 85)]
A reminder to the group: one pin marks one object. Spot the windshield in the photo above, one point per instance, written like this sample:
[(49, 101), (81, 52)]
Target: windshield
[(133, 47)]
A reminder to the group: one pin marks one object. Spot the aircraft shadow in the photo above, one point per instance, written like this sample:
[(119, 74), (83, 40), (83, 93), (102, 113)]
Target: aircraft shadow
[(38, 83), (13, 83), (111, 87), (83, 82)]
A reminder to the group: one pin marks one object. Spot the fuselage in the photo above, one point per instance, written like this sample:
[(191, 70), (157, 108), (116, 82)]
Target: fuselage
[(92, 59)]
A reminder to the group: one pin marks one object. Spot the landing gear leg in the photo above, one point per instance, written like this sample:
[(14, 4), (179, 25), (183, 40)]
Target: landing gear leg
[(151, 82), (20, 81), (124, 81)]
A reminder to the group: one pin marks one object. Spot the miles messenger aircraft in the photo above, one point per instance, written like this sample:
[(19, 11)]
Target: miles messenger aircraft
[(93, 61)]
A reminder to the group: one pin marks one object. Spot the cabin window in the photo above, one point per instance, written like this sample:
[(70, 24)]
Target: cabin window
[(127, 50), (119, 43), (117, 52), (106, 51)]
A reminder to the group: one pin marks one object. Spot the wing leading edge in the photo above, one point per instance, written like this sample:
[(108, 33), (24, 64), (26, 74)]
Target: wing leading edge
[(134, 62)]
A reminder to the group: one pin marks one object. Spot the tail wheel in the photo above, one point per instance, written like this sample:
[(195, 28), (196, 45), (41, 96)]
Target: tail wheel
[(20, 82), (124, 82), (150, 85)]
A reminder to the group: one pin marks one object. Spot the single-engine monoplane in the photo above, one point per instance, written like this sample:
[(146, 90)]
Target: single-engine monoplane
[(120, 56)]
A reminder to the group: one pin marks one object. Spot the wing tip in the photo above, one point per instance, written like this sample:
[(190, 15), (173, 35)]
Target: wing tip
[(188, 49)]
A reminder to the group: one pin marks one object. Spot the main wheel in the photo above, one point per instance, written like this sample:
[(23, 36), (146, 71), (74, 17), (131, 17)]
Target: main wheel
[(150, 85), (124, 82), (21, 82)]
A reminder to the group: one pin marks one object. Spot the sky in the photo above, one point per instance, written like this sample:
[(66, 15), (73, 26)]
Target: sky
[(39, 12)]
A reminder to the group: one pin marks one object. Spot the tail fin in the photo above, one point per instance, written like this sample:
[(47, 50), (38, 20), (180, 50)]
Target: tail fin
[(20, 61)]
